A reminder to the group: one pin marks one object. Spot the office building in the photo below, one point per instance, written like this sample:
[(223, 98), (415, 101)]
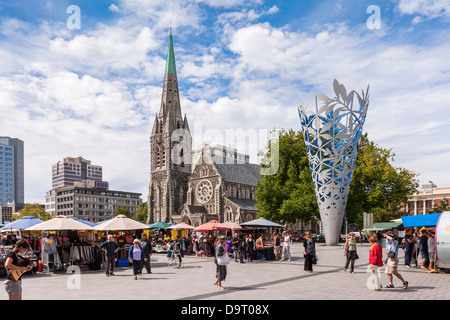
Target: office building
[(90, 200), (66, 172), (12, 187)]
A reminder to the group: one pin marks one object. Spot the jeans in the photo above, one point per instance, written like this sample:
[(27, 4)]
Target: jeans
[(351, 257), (286, 251), (260, 254), (408, 255), (110, 264), (235, 254)]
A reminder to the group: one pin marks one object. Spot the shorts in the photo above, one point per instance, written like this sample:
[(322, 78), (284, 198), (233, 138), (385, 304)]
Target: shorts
[(391, 266), (432, 256), (277, 249), (13, 287), (425, 256)]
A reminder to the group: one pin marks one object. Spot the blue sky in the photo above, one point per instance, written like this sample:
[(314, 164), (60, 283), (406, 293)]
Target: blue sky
[(241, 64)]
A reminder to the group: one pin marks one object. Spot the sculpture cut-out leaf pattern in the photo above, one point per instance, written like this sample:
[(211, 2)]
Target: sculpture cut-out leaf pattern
[(332, 132)]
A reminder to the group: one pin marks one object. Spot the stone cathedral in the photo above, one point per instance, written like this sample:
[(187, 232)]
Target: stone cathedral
[(215, 184)]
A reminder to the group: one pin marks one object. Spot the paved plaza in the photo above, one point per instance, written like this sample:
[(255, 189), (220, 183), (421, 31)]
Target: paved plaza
[(250, 281)]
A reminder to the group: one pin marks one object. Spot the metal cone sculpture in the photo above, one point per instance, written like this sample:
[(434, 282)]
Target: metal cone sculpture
[(332, 130)]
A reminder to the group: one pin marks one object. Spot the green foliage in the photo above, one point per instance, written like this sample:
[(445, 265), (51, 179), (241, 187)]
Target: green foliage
[(35, 210), (142, 212), (287, 195), (377, 186), (443, 206), (123, 210)]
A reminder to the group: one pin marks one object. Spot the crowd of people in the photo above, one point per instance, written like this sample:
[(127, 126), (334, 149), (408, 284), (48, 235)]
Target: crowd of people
[(247, 247)]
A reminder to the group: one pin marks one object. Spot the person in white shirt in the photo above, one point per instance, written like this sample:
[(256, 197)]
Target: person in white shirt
[(286, 247)]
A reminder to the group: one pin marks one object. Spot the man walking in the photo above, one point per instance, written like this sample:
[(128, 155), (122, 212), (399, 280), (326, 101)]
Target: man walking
[(146, 245), (110, 247), (286, 247), (392, 260)]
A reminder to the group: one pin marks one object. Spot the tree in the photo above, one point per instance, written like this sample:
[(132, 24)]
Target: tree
[(35, 210), (443, 206), (124, 210), (377, 186), (289, 194), (142, 212)]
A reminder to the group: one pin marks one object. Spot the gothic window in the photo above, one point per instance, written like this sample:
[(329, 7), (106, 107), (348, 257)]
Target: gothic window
[(229, 214), (161, 126), (182, 164), (204, 191), (181, 153), (163, 156), (178, 125), (158, 155)]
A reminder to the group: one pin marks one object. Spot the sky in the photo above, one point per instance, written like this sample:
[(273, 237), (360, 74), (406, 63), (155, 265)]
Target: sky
[(84, 78)]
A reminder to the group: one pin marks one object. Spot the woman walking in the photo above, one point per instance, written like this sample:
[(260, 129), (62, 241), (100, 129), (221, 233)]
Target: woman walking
[(221, 270), (309, 252), (350, 252), (250, 247), (260, 248), (136, 255), (375, 261)]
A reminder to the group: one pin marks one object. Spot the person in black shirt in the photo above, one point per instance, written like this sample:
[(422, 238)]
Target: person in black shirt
[(146, 245), (110, 247), (14, 287)]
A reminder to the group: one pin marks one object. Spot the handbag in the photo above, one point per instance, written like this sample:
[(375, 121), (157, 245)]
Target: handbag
[(223, 260), (391, 254)]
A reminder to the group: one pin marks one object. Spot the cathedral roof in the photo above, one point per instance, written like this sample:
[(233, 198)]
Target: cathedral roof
[(245, 204), (243, 173)]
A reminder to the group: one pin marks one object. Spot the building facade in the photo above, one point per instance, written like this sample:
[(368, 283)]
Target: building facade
[(218, 184), (90, 200), (424, 200), (69, 170), (12, 187)]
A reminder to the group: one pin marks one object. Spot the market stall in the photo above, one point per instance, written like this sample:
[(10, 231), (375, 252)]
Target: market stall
[(122, 227), (14, 230), (66, 241), (264, 227)]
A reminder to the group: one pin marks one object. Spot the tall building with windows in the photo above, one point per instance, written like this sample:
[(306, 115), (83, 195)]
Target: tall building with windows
[(67, 172), (12, 188)]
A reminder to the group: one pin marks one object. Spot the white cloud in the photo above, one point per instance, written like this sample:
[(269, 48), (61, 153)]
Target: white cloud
[(273, 10), (114, 8), (428, 8)]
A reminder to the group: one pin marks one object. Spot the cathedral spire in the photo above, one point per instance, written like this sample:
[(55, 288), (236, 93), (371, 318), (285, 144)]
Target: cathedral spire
[(170, 62)]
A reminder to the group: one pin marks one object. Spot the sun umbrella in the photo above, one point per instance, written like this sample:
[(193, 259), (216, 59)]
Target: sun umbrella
[(230, 225), (60, 223), (181, 226), (85, 221), (121, 222), (160, 225), (262, 223), (210, 226), (22, 223)]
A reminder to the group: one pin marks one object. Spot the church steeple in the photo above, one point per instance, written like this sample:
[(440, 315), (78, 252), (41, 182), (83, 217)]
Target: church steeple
[(170, 101), (170, 62), (170, 150)]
